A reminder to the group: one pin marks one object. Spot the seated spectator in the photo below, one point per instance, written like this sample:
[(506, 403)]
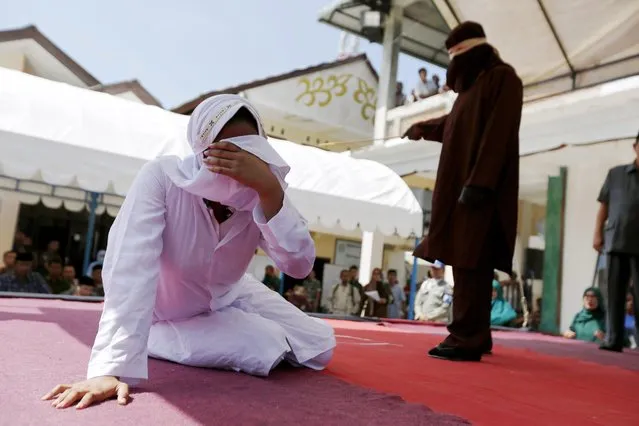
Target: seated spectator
[(57, 283), (22, 279), (435, 296), (42, 260), (630, 323), (99, 260), (313, 289), (68, 273), (501, 311), (589, 323), (345, 296), (96, 275), (8, 261), (271, 278), (298, 297)]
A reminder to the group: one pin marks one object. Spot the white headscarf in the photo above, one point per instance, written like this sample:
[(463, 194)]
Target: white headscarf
[(205, 124)]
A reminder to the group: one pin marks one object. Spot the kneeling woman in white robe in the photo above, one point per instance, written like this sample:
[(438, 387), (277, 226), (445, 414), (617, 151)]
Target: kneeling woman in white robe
[(174, 274)]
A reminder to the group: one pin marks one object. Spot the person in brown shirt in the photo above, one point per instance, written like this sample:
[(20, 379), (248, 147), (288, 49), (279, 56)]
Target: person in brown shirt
[(372, 308), (474, 217)]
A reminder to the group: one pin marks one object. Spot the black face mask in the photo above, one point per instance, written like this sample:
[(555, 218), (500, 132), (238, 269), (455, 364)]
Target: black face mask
[(465, 68)]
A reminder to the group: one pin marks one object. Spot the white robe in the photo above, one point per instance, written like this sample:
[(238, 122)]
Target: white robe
[(174, 291)]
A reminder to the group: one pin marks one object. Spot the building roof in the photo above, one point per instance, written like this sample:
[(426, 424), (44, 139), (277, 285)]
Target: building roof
[(129, 86), (31, 32), (188, 107)]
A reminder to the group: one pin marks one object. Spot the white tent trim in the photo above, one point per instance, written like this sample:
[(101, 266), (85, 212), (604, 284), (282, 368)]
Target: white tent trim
[(75, 138)]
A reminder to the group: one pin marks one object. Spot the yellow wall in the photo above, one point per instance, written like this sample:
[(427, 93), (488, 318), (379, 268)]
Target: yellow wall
[(416, 181), (324, 245)]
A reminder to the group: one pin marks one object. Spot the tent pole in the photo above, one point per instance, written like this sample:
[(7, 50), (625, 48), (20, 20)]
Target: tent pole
[(413, 286), (93, 205)]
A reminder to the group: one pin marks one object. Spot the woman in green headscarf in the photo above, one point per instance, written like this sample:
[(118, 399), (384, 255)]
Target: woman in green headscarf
[(501, 312), (589, 323)]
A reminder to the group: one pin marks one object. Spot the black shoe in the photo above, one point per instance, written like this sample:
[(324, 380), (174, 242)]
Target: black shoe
[(611, 348), (454, 354), (488, 349)]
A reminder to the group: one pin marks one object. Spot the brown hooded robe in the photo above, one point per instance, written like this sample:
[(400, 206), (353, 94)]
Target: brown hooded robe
[(480, 147)]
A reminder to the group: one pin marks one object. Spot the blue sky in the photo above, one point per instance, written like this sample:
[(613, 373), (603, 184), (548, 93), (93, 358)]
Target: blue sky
[(179, 50)]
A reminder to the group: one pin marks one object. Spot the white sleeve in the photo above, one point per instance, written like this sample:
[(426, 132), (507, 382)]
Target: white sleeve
[(286, 240), (130, 274)]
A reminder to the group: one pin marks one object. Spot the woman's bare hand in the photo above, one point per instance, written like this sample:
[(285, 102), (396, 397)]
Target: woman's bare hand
[(88, 392)]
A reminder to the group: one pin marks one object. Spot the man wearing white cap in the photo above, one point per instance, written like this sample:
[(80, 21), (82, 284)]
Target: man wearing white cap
[(174, 272), (435, 296)]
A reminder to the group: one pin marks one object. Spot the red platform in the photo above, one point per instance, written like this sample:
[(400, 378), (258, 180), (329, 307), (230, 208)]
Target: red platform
[(380, 376)]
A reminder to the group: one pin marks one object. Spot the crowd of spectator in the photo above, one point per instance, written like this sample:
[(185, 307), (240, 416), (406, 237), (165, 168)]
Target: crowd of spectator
[(25, 270), (424, 88)]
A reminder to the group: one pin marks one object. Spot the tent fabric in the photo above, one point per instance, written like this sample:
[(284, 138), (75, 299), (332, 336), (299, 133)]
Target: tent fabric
[(590, 127), (71, 137), (564, 45)]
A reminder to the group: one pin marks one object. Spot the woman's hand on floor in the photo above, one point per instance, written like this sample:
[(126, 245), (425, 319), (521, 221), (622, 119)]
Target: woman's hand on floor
[(88, 392), (570, 334)]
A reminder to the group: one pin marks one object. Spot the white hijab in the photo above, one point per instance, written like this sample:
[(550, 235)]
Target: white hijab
[(205, 124)]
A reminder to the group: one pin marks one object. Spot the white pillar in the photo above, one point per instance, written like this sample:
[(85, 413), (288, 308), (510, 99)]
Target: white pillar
[(388, 73), (579, 257), (9, 210), (523, 235), (371, 256)]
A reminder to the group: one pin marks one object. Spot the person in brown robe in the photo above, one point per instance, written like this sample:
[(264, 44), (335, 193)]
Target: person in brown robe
[(474, 217)]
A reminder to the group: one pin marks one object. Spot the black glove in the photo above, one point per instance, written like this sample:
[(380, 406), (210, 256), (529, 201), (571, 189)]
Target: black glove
[(473, 196)]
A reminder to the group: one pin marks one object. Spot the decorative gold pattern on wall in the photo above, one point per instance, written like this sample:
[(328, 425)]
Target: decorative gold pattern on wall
[(321, 91), (366, 96)]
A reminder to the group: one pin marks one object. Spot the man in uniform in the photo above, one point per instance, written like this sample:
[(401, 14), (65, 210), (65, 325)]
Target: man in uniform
[(617, 235), (474, 217)]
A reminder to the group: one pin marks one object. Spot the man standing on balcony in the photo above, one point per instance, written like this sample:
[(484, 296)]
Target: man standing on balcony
[(474, 217)]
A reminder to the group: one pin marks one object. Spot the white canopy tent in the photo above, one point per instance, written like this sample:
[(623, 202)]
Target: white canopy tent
[(564, 45), (588, 127), (54, 135)]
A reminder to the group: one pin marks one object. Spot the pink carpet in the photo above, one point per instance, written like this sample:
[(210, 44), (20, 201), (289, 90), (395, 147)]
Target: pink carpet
[(46, 342)]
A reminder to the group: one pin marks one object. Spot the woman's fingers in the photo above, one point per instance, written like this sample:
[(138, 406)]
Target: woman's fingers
[(71, 397), (225, 146), (123, 393), (61, 397), (220, 162), (221, 153), (55, 391), (87, 399)]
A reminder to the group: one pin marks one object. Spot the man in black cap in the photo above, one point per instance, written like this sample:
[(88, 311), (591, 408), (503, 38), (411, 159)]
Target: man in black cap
[(22, 279), (617, 236), (474, 218)]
